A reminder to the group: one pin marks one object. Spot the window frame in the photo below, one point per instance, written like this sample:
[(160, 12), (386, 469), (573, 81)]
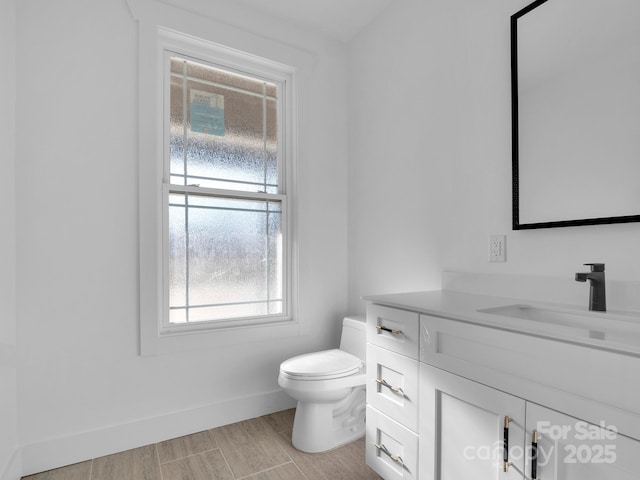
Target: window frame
[(157, 336)]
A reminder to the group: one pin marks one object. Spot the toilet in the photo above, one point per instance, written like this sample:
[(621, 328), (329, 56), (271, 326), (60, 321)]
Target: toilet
[(330, 389)]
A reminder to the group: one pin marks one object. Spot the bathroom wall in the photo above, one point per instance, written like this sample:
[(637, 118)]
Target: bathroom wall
[(83, 389), (430, 157), (9, 452), (428, 171)]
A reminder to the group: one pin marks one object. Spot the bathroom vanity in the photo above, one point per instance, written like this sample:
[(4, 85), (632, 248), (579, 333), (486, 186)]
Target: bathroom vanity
[(463, 385)]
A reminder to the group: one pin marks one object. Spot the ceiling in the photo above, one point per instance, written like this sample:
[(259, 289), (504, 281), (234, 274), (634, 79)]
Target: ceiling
[(339, 19)]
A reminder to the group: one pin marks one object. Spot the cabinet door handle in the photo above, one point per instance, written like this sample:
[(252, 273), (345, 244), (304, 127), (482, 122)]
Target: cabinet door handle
[(384, 383), (505, 444), (534, 455), (383, 449), (387, 329)]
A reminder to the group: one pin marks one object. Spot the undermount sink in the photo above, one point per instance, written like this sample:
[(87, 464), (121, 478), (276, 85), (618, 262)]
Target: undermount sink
[(620, 328)]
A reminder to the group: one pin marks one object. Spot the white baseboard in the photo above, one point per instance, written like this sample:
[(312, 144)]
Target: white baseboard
[(13, 469), (58, 452)]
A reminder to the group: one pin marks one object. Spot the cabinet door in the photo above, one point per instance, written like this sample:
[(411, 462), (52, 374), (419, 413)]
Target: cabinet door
[(462, 434), (572, 449)]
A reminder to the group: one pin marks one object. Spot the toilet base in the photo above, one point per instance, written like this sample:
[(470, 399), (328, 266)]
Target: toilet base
[(319, 427)]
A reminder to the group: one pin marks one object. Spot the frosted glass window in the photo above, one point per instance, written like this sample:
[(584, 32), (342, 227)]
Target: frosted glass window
[(226, 240), (223, 129), (225, 256)]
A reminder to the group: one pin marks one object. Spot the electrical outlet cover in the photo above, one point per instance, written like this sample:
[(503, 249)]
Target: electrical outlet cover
[(497, 248)]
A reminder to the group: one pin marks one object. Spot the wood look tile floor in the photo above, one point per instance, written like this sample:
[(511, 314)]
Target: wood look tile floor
[(256, 449)]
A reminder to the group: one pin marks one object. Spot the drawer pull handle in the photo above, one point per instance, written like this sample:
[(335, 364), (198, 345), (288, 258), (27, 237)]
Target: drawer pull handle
[(384, 383), (505, 452), (383, 449), (387, 329), (534, 455)]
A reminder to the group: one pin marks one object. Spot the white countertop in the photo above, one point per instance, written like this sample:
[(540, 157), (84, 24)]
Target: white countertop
[(464, 307)]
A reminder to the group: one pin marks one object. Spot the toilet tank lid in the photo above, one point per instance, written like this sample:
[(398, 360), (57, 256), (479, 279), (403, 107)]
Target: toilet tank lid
[(321, 363), (355, 321)]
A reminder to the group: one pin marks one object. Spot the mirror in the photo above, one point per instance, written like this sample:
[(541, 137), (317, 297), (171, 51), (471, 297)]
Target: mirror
[(575, 79)]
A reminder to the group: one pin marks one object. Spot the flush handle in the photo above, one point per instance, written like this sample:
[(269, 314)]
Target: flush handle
[(387, 329), (505, 447), (384, 383), (383, 449)]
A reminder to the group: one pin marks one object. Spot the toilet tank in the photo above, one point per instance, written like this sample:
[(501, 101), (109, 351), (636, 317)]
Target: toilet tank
[(354, 336)]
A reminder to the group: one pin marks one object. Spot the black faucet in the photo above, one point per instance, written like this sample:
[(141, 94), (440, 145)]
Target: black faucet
[(597, 296)]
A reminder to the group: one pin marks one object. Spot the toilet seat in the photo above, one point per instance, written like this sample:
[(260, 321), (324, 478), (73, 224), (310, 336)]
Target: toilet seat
[(323, 365)]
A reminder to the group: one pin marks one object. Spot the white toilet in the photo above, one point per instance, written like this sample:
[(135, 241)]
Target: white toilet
[(330, 389)]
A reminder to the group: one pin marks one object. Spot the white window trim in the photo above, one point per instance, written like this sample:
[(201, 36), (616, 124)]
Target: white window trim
[(154, 339)]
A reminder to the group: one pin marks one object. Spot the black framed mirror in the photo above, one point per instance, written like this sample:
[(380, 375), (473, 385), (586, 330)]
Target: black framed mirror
[(575, 85)]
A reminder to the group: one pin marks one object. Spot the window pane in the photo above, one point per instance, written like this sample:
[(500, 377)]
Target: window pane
[(177, 254), (271, 147), (275, 268), (226, 254), (230, 126), (176, 129), (178, 315)]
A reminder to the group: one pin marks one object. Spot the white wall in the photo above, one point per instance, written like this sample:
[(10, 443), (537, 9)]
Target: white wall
[(430, 156), (83, 390), (9, 452)]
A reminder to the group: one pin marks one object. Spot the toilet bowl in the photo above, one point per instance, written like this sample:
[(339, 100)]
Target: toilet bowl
[(330, 389)]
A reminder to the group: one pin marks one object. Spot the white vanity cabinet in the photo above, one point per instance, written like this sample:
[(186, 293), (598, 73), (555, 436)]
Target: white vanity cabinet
[(446, 407), (392, 392)]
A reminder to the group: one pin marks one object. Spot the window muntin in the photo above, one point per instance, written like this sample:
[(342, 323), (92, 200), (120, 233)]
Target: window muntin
[(226, 234)]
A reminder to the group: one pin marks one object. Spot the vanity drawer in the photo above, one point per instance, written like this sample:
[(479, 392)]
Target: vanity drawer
[(394, 329), (391, 450), (392, 385)]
